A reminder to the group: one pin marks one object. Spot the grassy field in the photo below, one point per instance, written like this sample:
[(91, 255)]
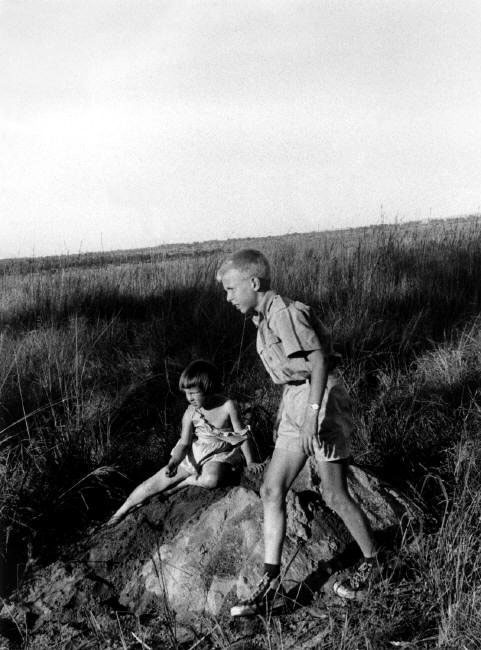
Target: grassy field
[(91, 348)]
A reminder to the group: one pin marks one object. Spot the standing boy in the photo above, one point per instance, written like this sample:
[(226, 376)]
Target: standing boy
[(314, 419)]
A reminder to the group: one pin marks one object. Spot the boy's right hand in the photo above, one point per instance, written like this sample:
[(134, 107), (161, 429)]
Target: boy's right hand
[(171, 469)]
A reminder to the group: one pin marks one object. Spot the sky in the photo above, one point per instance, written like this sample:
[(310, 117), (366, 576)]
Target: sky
[(132, 123)]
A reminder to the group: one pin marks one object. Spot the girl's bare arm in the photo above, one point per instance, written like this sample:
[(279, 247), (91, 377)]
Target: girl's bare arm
[(180, 450), (234, 416), (246, 446)]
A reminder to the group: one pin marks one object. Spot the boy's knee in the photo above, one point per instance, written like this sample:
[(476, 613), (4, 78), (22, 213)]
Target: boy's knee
[(334, 500), (271, 494)]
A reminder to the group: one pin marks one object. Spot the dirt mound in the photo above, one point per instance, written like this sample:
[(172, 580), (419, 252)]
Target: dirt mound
[(191, 555)]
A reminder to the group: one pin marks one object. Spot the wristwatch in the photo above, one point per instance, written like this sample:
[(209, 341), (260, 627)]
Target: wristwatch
[(314, 407)]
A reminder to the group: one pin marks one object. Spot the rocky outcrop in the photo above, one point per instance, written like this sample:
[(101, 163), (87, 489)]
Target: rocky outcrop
[(195, 552)]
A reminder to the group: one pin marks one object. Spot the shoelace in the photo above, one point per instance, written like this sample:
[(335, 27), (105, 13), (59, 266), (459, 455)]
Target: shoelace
[(361, 574), (261, 588)]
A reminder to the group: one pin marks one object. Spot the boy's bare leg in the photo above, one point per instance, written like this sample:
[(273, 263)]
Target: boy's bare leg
[(157, 483), (285, 465), (283, 469), (337, 497)]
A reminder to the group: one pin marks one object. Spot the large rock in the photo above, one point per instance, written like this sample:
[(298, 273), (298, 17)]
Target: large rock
[(199, 550), (196, 551)]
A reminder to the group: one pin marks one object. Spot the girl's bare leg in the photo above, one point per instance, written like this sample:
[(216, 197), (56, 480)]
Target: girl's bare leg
[(157, 483), (213, 474)]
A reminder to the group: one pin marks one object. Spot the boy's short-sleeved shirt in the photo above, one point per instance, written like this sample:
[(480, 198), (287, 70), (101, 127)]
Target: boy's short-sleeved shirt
[(285, 336)]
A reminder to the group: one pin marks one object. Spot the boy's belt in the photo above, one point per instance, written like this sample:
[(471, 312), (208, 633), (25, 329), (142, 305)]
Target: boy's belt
[(297, 383)]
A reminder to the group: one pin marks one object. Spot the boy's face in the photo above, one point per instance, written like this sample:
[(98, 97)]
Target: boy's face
[(241, 291)]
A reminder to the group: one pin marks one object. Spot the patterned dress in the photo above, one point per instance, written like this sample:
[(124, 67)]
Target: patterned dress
[(208, 445)]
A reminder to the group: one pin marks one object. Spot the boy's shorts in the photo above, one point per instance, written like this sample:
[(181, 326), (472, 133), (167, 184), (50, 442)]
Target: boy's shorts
[(335, 423)]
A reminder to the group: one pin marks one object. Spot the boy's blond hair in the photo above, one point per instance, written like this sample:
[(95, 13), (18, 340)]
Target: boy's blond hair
[(249, 262)]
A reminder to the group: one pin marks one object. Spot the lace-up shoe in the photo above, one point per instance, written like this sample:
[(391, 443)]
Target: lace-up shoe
[(359, 580), (264, 596)]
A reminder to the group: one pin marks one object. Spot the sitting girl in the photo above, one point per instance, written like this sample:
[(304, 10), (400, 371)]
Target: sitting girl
[(212, 442)]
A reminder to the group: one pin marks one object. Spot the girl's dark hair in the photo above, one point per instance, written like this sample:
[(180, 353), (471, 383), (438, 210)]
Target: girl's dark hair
[(202, 374)]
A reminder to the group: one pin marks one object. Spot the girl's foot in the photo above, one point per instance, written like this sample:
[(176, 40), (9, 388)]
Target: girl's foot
[(98, 529), (115, 519), (119, 516)]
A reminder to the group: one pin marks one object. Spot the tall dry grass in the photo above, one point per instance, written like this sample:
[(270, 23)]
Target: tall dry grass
[(90, 357)]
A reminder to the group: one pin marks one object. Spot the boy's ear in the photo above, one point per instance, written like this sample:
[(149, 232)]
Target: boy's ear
[(255, 283)]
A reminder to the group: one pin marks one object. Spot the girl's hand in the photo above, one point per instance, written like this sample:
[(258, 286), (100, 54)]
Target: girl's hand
[(256, 469), (171, 469)]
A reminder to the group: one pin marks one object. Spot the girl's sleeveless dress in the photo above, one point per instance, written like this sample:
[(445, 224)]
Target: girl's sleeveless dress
[(208, 445)]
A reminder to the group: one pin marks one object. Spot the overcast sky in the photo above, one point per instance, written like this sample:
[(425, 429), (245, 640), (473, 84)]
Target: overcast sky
[(127, 123)]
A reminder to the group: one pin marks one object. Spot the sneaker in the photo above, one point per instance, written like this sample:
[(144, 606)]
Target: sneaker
[(359, 580), (262, 598)]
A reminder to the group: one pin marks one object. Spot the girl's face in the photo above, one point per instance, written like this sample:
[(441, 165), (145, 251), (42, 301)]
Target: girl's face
[(195, 396)]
